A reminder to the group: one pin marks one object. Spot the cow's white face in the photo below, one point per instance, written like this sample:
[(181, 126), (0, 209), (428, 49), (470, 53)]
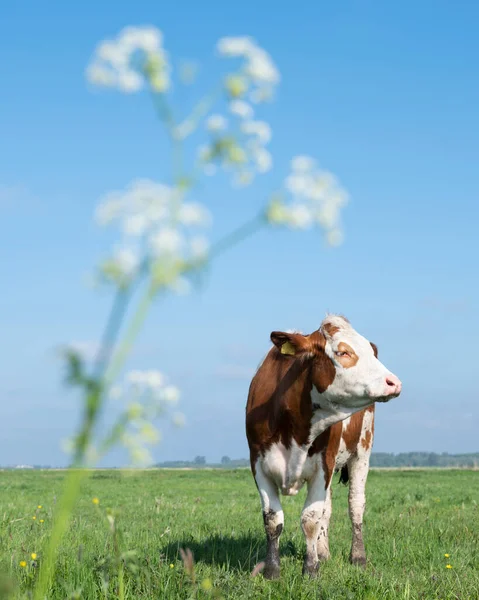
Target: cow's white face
[(360, 378), (346, 373)]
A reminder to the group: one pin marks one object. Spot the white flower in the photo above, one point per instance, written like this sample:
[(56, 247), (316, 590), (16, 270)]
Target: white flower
[(317, 199), (236, 46), (154, 379), (216, 123), (126, 260), (261, 68), (300, 216), (263, 159), (115, 61), (179, 419), (135, 224), (199, 247), (258, 67), (302, 163), (193, 213), (171, 394), (297, 184), (334, 237), (241, 109), (166, 240), (260, 129)]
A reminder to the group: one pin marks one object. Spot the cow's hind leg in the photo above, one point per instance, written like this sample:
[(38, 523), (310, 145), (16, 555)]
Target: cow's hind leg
[(311, 519), (358, 467), (323, 538), (273, 518)]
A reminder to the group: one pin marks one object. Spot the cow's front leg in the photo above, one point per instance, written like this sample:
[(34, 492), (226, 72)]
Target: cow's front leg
[(273, 518), (323, 538), (311, 521), (358, 472)]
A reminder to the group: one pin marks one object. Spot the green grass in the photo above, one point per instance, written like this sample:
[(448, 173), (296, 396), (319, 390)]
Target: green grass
[(412, 519)]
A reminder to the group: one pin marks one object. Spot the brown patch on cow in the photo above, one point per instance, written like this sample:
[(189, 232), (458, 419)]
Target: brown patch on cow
[(352, 433), (375, 349), (350, 359), (327, 443), (279, 407), (366, 440), (330, 329)]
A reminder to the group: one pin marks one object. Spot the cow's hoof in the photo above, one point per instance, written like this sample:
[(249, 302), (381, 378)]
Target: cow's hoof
[(358, 561), (311, 569), (271, 571)]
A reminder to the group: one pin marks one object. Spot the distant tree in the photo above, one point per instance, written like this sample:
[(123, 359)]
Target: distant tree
[(200, 460), (225, 460)]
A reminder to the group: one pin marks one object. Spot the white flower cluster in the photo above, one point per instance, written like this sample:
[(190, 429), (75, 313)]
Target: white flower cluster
[(316, 199), (135, 56), (258, 70), (240, 145), (154, 221), (148, 395)]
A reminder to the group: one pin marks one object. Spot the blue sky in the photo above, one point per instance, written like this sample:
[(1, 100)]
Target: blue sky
[(385, 95)]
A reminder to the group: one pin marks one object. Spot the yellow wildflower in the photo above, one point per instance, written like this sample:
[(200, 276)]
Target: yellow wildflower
[(172, 566), (447, 555), (96, 501), (34, 556), (34, 518), (448, 566), (206, 584), (42, 520), (39, 506), (23, 563)]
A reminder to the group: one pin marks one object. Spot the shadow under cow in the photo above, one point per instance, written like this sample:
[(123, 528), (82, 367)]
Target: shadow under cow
[(240, 553)]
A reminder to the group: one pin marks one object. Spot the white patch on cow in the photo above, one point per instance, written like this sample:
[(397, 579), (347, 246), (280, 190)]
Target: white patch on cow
[(285, 466), (343, 453), (268, 492)]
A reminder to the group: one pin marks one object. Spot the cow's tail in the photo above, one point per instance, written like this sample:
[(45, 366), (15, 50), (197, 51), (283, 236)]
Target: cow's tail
[(344, 475)]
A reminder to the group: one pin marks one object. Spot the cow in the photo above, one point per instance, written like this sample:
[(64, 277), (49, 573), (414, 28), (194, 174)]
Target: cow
[(310, 412)]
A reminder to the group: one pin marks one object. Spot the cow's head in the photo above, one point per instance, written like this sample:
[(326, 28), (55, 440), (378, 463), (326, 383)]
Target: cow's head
[(344, 365)]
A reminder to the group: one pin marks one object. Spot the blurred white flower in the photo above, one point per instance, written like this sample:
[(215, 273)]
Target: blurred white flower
[(260, 129), (317, 198), (136, 55), (236, 46), (125, 261), (216, 123), (199, 247), (156, 218), (241, 109), (179, 419), (261, 68), (170, 394), (263, 160), (258, 67), (193, 213), (167, 240), (302, 163)]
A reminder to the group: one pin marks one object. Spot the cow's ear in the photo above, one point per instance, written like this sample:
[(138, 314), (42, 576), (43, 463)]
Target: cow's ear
[(375, 349), (289, 343)]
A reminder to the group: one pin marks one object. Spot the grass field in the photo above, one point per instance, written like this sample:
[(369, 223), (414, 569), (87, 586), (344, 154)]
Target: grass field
[(412, 519)]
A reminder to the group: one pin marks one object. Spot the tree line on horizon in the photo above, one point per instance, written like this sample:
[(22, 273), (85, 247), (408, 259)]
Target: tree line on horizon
[(378, 459)]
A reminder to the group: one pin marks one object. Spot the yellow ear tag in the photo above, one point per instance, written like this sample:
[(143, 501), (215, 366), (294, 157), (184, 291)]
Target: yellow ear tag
[(288, 348)]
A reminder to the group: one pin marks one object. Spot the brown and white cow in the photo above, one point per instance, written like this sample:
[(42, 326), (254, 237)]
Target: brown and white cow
[(310, 411)]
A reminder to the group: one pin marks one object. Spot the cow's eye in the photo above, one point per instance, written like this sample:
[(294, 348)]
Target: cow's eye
[(341, 353)]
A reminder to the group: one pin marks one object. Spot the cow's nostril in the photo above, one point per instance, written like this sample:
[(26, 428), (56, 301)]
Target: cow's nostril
[(390, 381)]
